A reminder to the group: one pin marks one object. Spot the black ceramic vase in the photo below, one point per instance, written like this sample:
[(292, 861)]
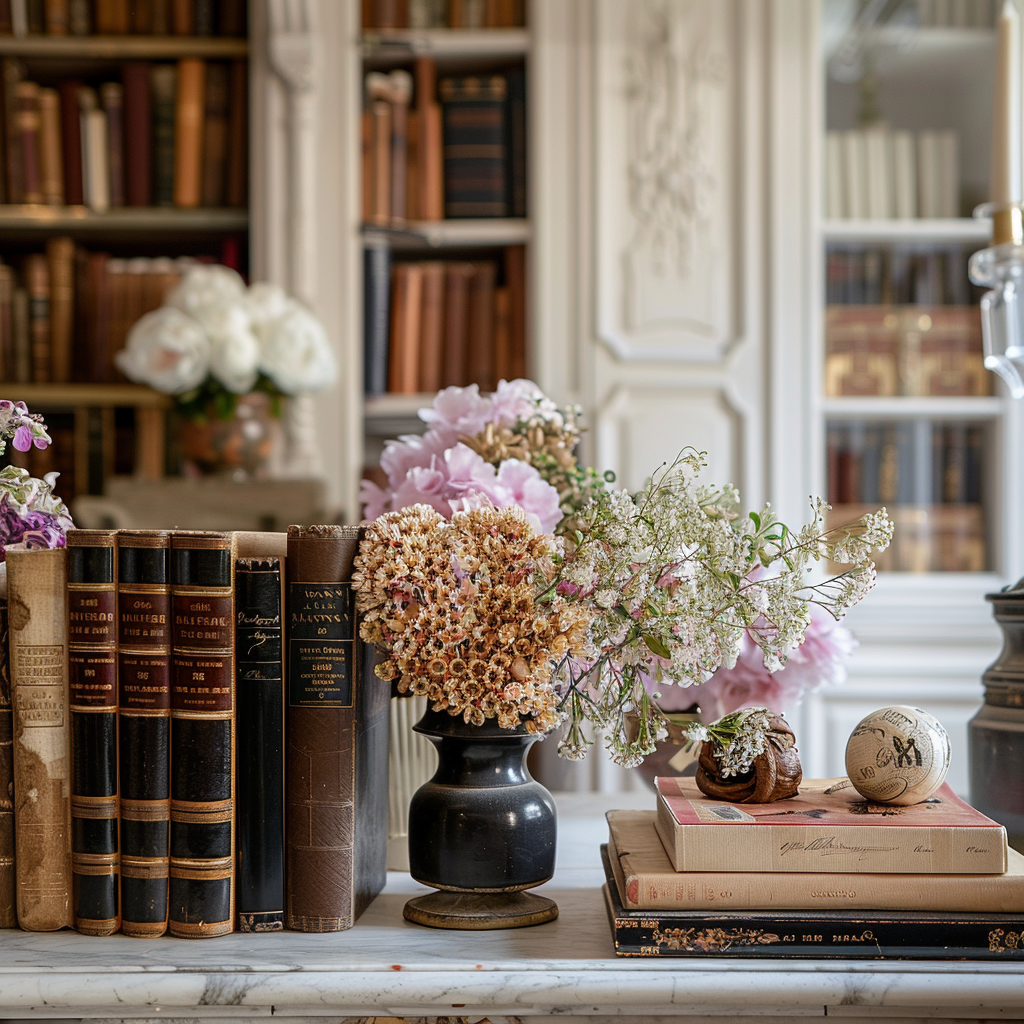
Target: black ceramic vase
[(995, 735), (481, 830)]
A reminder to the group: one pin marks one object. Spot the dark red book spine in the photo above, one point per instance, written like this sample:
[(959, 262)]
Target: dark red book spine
[(71, 142), (137, 138)]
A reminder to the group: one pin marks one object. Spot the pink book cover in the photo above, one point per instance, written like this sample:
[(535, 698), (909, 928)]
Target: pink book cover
[(825, 801)]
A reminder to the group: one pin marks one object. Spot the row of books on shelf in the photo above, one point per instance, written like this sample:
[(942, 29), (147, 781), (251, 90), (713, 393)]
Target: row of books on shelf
[(821, 874), (147, 699), (898, 275), (908, 350), (163, 135), (875, 173), (122, 17), (454, 148), (435, 323), (427, 14), (66, 312), (956, 13)]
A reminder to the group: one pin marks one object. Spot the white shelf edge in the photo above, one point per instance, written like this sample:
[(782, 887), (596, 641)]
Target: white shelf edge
[(901, 408), (444, 234), (446, 42), (126, 218), (948, 229), (387, 406)]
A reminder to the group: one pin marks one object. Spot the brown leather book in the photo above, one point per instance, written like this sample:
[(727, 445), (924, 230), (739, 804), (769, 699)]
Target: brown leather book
[(336, 740), (79, 17), (8, 913), (161, 23), (480, 334), (502, 335), (60, 256), (141, 16), (20, 334), (515, 279), (13, 73), (117, 290), (456, 324), (404, 349), (56, 13), (366, 165), (412, 180), (188, 132), (37, 283), (456, 16), (7, 363), (6, 26), (380, 162), (112, 17), (27, 94), (238, 135), (71, 142), (429, 146), (215, 136), (51, 161), (138, 174), (112, 101), (202, 891), (431, 326), (183, 17), (42, 767), (232, 18), (400, 96)]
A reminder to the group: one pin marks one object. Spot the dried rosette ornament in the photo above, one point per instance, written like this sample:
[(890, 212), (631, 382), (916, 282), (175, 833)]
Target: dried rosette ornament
[(466, 612)]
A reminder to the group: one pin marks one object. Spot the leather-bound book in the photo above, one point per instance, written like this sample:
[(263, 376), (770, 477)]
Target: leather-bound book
[(27, 94), (336, 740), (37, 282), (260, 695), (7, 361), (71, 142), (232, 18), (515, 123), (215, 136), (20, 343), (138, 174), (404, 348), (480, 340), (79, 17), (431, 326), (6, 27), (188, 132), (51, 160), (13, 73), (42, 766), (112, 17), (400, 96), (35, 15), (457, 279), (202, 894), (60, 257), (502, 335), (205, 16), (163, 85), (141, 15), (515, 281), (56, 14), (183, 17), (238, 135), (429, 146), (92, 683), (112, 101), (161, 18), (144, 727), (475, 147), (376, 307), (8, 914)]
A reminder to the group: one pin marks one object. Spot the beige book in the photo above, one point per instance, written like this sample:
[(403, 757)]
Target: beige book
[(51, 160), (904, 163), (42, 766), (95, 170), (835, 206), (647, 881)]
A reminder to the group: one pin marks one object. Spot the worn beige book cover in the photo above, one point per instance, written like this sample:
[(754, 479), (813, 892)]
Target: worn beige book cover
[(828, 826), (647, 881)]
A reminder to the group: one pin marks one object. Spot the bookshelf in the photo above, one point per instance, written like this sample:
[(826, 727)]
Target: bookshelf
[(111, 427)]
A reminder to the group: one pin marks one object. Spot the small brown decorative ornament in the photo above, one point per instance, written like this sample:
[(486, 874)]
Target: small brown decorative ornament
[(776, 773)]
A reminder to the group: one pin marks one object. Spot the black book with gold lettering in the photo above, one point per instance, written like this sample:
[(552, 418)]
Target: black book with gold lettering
[(144, 727), (92, 683), (202, 893), (259, 690)]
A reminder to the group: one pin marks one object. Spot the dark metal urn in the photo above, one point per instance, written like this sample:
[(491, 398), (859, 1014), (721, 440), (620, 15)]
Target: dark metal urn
[(481, 830), (995, 735)]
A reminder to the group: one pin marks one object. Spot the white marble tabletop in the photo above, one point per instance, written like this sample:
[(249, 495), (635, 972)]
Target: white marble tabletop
[(385, 966)]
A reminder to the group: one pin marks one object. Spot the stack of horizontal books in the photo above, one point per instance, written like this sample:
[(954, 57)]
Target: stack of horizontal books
[(822, 874)]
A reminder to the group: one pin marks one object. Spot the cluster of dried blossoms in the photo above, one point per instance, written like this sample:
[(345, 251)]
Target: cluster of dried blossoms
[(465, 612), (674, 577)]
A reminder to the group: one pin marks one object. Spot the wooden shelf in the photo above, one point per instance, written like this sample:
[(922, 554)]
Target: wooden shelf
[(953, 229), (901, 408), (138, 220), (445, 43), (66, 396), (123, 47), (450, 234)]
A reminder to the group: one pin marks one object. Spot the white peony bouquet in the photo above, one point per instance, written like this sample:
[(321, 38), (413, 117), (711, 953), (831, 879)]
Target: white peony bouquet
[(215, 339)]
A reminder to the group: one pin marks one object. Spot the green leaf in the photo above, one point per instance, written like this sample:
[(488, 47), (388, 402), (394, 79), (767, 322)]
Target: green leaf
[(757, 520), (656, 646)]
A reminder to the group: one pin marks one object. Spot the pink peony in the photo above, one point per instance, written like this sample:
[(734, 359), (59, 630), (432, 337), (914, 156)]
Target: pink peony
[(457, 412), (532, 493), (518, 400)]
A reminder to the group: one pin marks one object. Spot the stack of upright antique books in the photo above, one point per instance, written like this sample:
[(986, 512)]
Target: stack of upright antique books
[(822, 874)]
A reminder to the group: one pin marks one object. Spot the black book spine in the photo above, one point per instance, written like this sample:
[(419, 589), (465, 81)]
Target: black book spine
[(144, 727), (516, 145), (202, 891), (376, 308), (475, 151), (92, 681), (259, 680)]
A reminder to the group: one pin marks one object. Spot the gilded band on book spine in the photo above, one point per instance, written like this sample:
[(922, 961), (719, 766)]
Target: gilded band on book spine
[(202, 895), (260, 738), (92, 685), (144, 727)]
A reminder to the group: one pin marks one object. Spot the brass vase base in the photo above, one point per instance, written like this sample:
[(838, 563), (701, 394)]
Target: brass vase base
[(480, 911)]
